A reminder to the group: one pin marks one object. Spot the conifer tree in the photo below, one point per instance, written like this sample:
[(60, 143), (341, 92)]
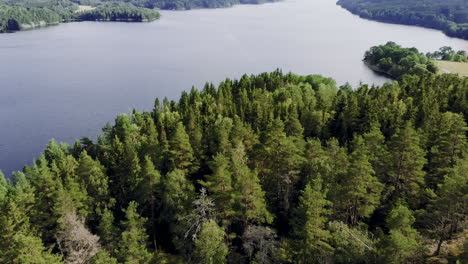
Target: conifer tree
[(360, 190), (132, 245), (180, 155), (107, 231), (450, 144), (91, 176), (311, 239), (219, 185), (449, 211), (4, 186), (209, 246), (406, 175), (401, 244), (249, 197), (378, 151)]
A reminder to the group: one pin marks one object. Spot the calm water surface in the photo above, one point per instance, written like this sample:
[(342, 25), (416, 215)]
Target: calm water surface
[(67, 81)]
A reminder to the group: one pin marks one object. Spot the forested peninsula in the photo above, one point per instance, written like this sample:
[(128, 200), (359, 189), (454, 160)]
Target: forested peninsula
[(450, 16), (395, 61), (27, 14), (270, 168)]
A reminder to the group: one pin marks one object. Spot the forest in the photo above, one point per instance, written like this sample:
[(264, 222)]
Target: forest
[(187, 4), (29, 14), (119, 12), (26, 14), (269, 168), (450, 16), (395, 61)]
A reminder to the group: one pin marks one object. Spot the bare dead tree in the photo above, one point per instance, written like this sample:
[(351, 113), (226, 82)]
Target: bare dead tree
[(75, 241)]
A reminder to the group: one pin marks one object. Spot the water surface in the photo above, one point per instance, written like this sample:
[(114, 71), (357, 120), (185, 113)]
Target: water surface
[(67, 81)]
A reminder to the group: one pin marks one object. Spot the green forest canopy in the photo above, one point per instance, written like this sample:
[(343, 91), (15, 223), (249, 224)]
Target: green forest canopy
[(26, 15), (273, 168), (396, 61), (450, 16), (23, 14)]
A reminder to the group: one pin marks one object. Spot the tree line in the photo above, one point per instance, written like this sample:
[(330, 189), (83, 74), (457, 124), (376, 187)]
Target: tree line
[(448, 54), (25, 15), (450, 16), (272, 168), (395, 61)]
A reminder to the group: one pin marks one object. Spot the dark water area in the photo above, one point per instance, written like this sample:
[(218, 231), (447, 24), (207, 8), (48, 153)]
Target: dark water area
[(67, 81)]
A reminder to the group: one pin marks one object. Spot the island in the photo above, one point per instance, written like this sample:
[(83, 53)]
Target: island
[(269, 168), (450, 16)]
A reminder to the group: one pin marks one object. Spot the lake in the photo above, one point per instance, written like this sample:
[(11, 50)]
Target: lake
[(67, 81)]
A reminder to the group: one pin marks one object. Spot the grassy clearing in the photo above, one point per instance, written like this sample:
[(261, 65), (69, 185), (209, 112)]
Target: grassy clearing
[(453, 67)]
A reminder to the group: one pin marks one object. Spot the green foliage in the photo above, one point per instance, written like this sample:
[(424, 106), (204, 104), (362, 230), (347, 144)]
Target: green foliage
[(352, 245), (312, 239), (296, 170), (450, 16), (119, 12), (132, 245), (209, 246), (401, 244), (19, 15), (448, 54), (396, 61)]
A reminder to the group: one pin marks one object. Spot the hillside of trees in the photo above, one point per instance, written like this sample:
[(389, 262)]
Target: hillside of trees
[(395, 61), (26, 14), (119, 12), (450, 16), (189, 4), (273, 168), (29, 14)]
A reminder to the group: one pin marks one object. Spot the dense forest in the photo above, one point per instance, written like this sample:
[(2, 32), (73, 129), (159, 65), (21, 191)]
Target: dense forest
[(273, 168), (29, 14), (395, 61), (188, 4), (26, 14), (119, 12), (450, 16)]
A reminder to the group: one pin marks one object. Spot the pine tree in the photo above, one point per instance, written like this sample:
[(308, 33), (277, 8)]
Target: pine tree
[(311, 239), (107, 231), (249, 197), (209, 246), (378, 151), (103, 257), (132, 245), (406, 175), (4, 186), (450, 144), (125, 170), (449, 210), (178, 194), (359, 194), (279, 162), (180, 154), (90, 175), (400, 245), (219, 185)]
